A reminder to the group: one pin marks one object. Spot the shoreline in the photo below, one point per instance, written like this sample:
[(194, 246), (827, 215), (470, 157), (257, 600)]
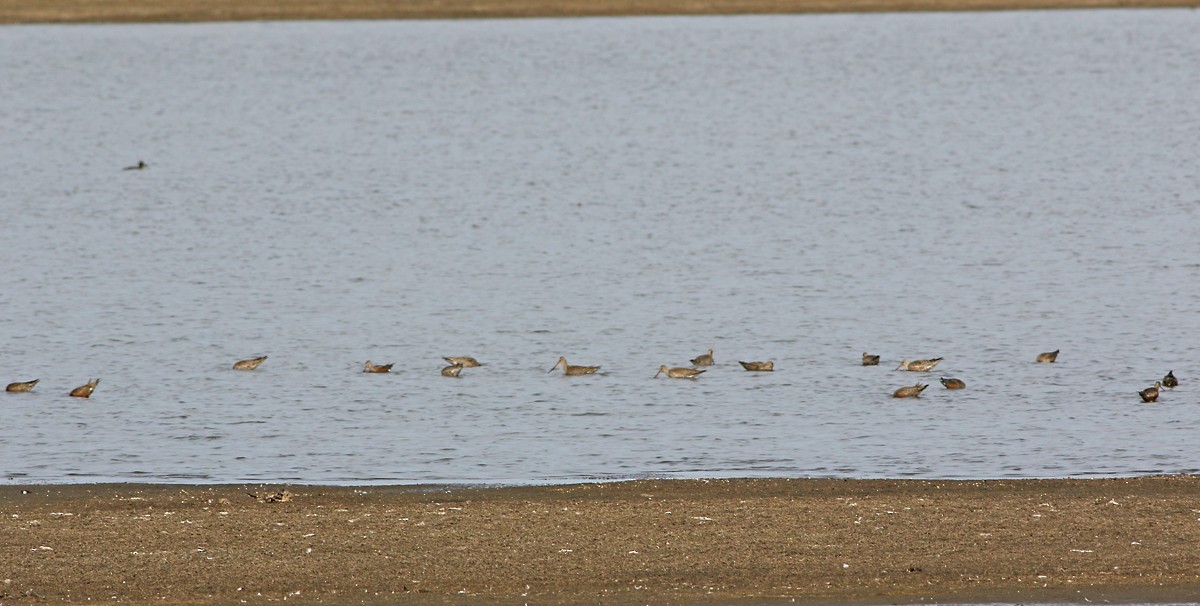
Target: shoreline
[(815, 541), (175, 11)]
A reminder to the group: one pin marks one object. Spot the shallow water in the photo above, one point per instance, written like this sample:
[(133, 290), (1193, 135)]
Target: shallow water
[(625, 192)]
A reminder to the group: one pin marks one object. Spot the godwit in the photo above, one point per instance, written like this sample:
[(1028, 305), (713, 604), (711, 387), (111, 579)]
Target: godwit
[(758, 366), (1150, 394), (703, 359), (85, 391), (573, 370), (913, 391), (22, 386), (1048, 357), (679, 373), (250, 364), (919, 365), (466, 361)]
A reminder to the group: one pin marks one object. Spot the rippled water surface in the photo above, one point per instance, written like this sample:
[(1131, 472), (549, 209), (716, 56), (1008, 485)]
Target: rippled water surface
[(623, 192)]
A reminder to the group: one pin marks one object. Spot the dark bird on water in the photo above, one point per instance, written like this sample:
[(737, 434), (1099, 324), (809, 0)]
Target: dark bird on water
[(1150, 394)]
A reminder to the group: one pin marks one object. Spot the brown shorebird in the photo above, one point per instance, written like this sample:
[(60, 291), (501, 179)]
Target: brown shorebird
[(250, 364), (758, 366), (22, 386), (1150, 394), (679, 373), (870, 360), (85, 391), (953, 383), (573, 370), (918, 365), (466, 361), (1169, 381), (703, 359), (1048, 357), (377, 368), (452, 370), (913, 391)]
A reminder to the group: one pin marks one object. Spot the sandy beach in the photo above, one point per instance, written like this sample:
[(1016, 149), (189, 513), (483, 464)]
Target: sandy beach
[(70, 11), (654, 542)]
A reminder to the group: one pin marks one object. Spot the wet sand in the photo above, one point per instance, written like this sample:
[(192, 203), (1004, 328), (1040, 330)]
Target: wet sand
[(66, 11), (646, 542)]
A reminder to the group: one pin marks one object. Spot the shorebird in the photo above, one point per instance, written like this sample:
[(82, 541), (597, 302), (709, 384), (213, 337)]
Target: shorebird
[(913, 391), (573, 370), (758, 366), (466, 361), (870, 360), (85, 391), (703, 359), (1048, 357), (918, 365), (21, 386), (139, 166), (1150, 394), (679, 373), (250, 364), (377, 368), (1169, 381), (452, 370), (953, 383)]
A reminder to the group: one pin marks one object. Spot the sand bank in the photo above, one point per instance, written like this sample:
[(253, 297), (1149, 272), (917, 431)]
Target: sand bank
[(67, 11), (660, 542)]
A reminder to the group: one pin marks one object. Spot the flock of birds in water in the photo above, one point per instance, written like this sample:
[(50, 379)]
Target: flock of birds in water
[(1150, 394), (457, 363)]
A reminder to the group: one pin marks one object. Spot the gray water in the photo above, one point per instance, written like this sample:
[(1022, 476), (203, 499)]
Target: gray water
[(624, 192)]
